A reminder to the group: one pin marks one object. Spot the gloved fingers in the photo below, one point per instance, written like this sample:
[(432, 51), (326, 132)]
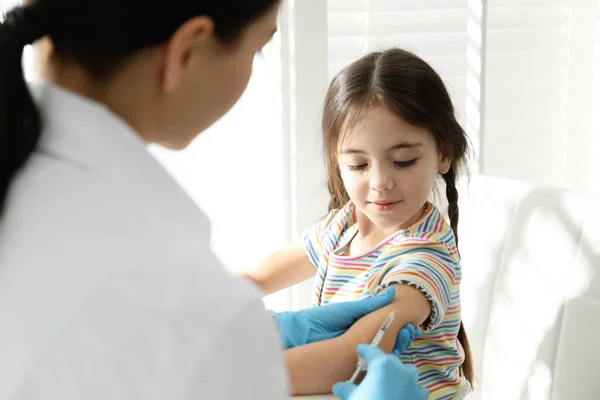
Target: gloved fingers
[(410, 329), (359, 308), (417, 333), (370, 353), (403, 340), (343, 390), (414, 331)]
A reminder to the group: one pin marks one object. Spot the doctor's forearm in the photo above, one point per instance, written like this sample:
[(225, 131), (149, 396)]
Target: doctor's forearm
[(315, 368)]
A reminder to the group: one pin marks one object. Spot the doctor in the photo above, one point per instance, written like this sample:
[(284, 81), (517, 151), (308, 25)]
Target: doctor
[(108, 287)]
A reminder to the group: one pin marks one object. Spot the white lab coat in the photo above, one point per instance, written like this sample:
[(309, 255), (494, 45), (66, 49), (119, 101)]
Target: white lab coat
[(108, 288)]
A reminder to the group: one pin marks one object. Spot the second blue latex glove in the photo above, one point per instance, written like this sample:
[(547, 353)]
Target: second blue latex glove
[(387, 378), (405, 338), (315, 324)]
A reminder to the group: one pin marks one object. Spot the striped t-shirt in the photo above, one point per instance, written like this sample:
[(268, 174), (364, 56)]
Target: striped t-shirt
[(424, 256)]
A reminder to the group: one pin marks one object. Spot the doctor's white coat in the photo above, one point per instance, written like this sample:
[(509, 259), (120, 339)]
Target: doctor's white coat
[(108, 288)]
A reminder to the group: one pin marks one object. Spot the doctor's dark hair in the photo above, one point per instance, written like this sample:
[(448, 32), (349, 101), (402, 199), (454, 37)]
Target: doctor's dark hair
[(100, 36), (412, 90)]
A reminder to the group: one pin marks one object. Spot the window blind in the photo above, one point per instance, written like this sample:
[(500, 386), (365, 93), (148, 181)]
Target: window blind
[(435, 30), (537, 106), (538, 82)]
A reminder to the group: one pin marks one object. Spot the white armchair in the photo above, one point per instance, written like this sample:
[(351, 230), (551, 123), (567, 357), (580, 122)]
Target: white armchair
[(531, 290)]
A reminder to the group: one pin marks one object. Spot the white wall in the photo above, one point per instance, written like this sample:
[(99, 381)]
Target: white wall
[(305, 71)]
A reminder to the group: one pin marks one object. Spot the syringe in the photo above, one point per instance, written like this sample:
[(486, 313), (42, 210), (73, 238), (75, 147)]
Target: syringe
[(362, 363)]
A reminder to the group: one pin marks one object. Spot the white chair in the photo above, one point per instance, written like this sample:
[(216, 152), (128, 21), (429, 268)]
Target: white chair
[(531, 290)]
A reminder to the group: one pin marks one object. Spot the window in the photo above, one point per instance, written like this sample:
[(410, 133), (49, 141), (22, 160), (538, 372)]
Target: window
[(523, 75), (434, 30), (539, 92)]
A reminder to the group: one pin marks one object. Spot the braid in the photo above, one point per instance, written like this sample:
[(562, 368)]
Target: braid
[(467, 368), (452, 195)]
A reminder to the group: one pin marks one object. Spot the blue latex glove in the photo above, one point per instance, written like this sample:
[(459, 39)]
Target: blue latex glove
[(387, 378), (297, 328), (405, 337)]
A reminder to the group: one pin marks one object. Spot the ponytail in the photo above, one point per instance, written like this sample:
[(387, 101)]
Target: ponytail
[(20, 123)]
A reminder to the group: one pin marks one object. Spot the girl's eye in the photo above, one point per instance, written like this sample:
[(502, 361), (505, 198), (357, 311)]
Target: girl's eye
[(405, 164), (357, 167)]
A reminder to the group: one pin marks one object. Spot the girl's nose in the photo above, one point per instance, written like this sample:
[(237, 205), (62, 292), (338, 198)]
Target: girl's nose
[(381, 180)]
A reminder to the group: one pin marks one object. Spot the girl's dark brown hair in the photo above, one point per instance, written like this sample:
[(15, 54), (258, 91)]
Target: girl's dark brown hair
[(412, 90)]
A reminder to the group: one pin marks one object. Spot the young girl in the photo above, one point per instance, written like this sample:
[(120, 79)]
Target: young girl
[(389, 133)]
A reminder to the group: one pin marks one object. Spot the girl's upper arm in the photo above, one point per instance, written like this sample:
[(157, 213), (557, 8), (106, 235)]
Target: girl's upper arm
[(315, 367), (426, 283), (284, 268), (410, 306)]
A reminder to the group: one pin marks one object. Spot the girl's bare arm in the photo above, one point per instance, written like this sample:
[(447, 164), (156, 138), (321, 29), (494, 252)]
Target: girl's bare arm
[(316, 367)]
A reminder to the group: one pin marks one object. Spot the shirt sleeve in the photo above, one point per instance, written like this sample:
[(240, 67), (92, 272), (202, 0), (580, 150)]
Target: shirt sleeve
[(312, 237), (429, 268)]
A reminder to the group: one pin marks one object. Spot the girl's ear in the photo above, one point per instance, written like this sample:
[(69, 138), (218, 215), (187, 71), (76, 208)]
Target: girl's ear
[(444, 164)]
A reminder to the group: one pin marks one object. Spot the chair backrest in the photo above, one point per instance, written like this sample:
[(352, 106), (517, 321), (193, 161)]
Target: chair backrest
[(531, 290)]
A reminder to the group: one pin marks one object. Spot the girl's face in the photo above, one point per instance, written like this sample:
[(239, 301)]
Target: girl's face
[(388, 167)]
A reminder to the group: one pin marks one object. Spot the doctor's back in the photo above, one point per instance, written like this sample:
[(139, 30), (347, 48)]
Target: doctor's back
[(108, 287)]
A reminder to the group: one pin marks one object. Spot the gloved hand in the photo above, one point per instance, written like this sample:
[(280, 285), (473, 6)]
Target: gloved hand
[(405, 337), (387, 378), (315, 324)]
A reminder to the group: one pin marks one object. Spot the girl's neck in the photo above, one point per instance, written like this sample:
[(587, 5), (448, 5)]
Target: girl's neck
[(370, 235)]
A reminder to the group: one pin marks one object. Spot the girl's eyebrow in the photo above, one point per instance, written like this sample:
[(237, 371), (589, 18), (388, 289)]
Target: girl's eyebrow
[(404, 145)]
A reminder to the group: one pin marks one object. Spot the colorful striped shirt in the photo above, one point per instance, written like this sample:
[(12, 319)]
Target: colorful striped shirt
[(423, 256)]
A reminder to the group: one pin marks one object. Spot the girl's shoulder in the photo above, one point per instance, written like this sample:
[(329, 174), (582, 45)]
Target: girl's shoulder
[(326, 232), (431, 231), (337, 220)]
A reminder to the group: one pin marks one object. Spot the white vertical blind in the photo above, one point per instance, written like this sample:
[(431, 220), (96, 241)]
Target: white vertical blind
[(527, 69), (436, 30), (304, 30), (539, 90)]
